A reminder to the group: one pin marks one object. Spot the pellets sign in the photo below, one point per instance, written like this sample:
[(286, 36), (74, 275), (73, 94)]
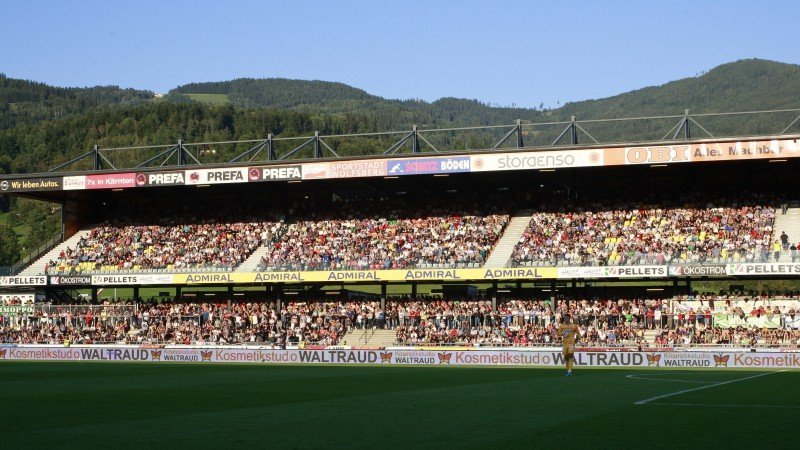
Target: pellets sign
[(37, 280), (763, 269)]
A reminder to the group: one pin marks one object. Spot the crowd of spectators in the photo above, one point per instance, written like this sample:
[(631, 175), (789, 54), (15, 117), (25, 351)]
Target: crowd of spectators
[(439, 232), (602, 322), (705, 334), (360, 236), (617, 232), (179, 323), (183, 240), (128, 248), (343, 236)]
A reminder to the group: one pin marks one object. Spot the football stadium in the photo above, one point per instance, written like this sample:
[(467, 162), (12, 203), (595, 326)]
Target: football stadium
[(423, 295)]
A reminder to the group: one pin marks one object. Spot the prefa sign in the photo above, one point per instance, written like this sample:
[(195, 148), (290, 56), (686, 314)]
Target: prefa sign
[(276, 173), (160, 179), (216, 176)]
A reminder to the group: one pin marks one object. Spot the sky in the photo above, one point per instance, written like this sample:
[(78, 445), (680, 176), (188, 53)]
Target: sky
[(522, 53)]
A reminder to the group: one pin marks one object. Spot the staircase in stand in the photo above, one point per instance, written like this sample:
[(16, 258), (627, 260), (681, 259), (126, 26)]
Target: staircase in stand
[(790, 223), (372, 338), (251, 263), (650, 336), (505, 246), (37, 267)]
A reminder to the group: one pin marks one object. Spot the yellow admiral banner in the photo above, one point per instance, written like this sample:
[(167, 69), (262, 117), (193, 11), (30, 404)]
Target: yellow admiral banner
[(368, 276)]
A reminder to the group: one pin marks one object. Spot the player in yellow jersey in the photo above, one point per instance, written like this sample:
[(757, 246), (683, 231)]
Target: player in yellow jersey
[(569, 335)]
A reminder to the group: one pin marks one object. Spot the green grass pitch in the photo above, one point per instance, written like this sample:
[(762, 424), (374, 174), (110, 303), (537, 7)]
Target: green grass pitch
[(135, 405)]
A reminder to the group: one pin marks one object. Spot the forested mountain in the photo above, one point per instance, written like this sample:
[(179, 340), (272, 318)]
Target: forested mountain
[(41, 125), (752, 84), (337, 98), (747, 85), (25, 102)]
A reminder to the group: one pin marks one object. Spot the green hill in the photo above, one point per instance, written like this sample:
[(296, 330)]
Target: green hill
[(338, 98), (25, 102), (746, 85), (751, 84)]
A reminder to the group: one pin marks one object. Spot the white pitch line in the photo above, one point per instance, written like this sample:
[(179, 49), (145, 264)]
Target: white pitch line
[(634, 377), (728, 405), (648, 400)]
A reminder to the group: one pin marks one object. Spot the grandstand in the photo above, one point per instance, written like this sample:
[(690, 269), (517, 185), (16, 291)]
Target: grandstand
[(503, 243)]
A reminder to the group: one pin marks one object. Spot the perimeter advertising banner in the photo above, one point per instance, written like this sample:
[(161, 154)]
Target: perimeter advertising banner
[(74, 280), (734, 321), (275, 173), (132, 280), (537, 160), (13, 310), (763, 269), (423, 166), (612, 272), (111, 181), (697, 270), (216, 176), (160, 179), (74, 183), (379, 167), (506, 273), (703, 152), (397, 356), (31, 184), (38, 280), (366, 275)]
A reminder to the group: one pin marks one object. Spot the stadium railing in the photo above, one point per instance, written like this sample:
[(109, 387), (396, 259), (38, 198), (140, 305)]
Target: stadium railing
[(35, 254)]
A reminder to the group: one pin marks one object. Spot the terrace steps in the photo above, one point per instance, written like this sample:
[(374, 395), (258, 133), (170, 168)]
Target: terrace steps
[(37, 267), (505, 246), (790, 223), (369, 338)]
